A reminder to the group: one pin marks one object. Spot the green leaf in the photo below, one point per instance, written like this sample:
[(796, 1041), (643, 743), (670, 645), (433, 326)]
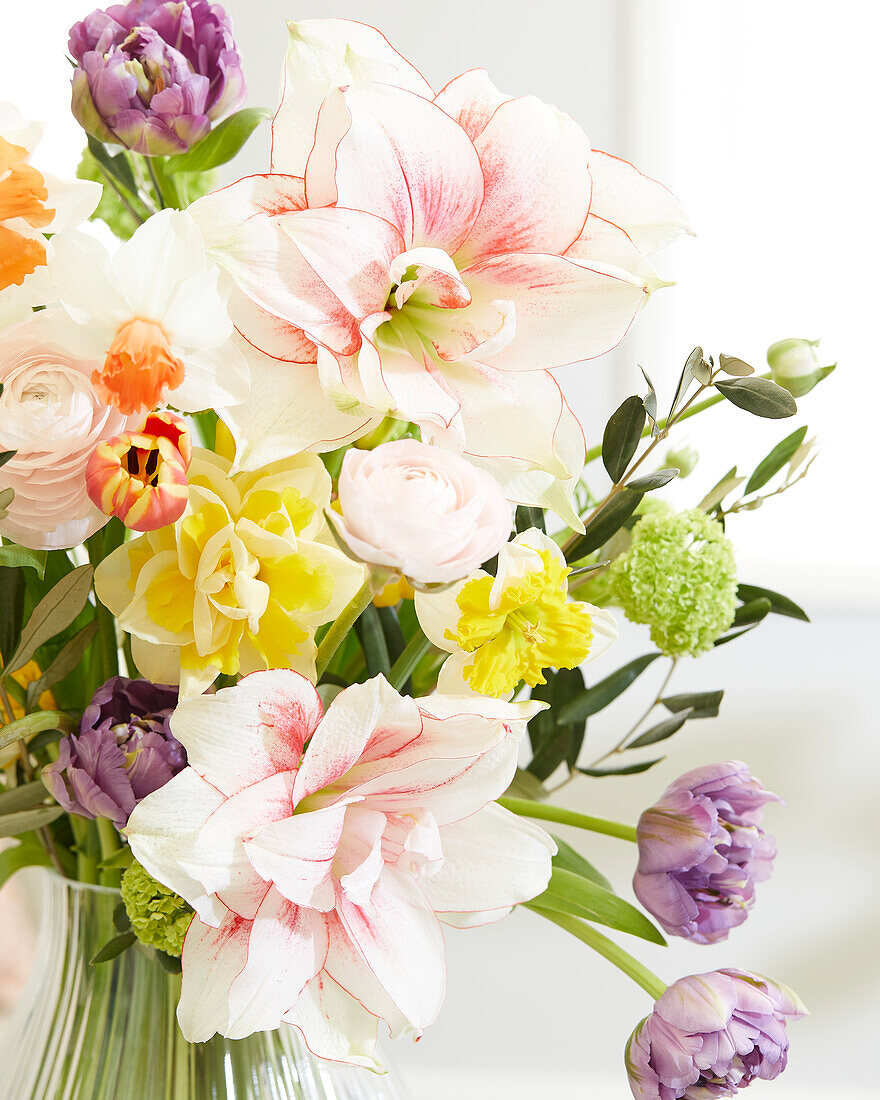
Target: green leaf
[(759, 396), (527, 517), (779, 604), (394, 639), (20, 556), (23, 729), (695, 361), (26, 820), (701, 704), (525, 785), (12, 592), (650, 402), (554, 742), (5, 456), (621, 438), (731, 365), (221, 144), (732, 637), (606, 522), (568, 859), (115, 947), (169, 963), (720, 490), (580, 897), (652, 481), (57, 610), (121, 921), (25, 797), (121, 860), (778, 457), (368, 628), (597, 697), (64, 662), (20, 856), (625, 769), (115, 165), (660, 732), (752, 612)]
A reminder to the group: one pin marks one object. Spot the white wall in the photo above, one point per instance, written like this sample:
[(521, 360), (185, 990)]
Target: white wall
[(762, 117)]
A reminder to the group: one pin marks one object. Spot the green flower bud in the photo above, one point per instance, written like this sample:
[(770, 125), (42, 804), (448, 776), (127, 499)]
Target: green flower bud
[(679, 578), (795, 365), (159, 918), (682, 458)]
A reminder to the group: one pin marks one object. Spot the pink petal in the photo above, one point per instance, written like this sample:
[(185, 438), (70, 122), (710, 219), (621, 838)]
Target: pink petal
[(287, 947), (645, 209), (212, 959), (246, 733), (537, 182), (471, 99), (220, 214), (399, 938), (296, 855), (565, 312), (270, 334), (396, 155), (606, 243)]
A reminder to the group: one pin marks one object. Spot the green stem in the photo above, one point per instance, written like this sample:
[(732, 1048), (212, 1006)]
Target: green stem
[(525, 807), (107, 645), (608, 949), (120, 194), (335, 636), (108, 839), (405, 665), (86, 849)]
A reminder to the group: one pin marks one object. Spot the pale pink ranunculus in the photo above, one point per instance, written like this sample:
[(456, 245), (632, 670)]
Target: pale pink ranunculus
[(52, 417), (443, 253), (426, 513), (323, 852)]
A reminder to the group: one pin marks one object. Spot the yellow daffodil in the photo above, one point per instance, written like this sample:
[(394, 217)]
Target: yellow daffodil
[(509, 628), (240, 582)]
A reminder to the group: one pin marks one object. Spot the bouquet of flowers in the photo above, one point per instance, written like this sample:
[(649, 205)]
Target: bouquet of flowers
[(304, 554)]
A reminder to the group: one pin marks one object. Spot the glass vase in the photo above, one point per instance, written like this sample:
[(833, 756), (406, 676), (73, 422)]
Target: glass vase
[(109, 1031)]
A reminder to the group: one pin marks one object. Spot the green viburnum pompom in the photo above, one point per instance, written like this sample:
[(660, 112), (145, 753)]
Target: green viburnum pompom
[(678, 576), (159, 918)]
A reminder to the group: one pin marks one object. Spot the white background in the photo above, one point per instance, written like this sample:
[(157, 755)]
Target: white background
[(762, 118)]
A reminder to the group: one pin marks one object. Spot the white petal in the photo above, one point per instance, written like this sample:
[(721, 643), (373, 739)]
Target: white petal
[(491, 860), (296, 854), (471, 99), (218, 377), (159, 663), (212, 959), (245, 733), (323, 54), (438, 611), (334, 1024), (98, 297), (651, 215), (72, 200), (604, 242)]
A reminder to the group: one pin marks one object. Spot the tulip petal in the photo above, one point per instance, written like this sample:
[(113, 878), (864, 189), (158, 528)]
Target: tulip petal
[(399, 938), (244, 734), (537, 182), (325, 54), (645, 209), (491, 860), (390, 152)]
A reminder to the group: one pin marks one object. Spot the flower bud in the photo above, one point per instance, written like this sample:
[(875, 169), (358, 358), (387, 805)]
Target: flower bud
[(141, 476), (702, 848), (683, 458), (711, 1035), (795, 365)]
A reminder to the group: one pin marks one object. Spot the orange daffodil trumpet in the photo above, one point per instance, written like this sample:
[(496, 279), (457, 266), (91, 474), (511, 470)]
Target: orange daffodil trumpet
[(32, 204), (239, 583), (430, 257), (153, 316), (324, 853), (140, 476)]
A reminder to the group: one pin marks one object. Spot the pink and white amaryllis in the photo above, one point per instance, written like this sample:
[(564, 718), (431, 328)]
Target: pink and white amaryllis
[(322, 852), (431, 257)]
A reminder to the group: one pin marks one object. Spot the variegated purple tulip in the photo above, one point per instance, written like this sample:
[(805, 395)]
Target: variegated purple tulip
[(124, 751), (711, 1035), (153, 75), (702, 848)]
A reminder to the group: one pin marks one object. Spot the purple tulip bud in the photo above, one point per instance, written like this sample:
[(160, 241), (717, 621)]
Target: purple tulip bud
[(153, 75), (701, 851), (124, 751), (711, 1035)]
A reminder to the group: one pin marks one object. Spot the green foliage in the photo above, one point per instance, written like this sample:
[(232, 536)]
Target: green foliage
[(110, 210), (159, 918)]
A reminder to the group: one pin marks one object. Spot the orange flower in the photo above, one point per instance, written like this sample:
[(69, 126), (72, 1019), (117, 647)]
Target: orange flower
[(140, 476), (23, 194), (139, 369)]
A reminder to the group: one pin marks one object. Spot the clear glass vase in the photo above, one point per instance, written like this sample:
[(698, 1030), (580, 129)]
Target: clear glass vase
[(109, 1032)]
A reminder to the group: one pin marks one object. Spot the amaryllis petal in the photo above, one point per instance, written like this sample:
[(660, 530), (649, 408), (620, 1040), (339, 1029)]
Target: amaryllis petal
[(396, 155), (325, 54), (649, 212), (604, 242), (471, 99), (296, 854), (212, 959), (537, 182), (334, 1024), (565, 311)]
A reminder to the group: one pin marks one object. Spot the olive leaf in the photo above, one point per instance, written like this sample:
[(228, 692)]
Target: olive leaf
[(782, 453), (596, 698), (759, 396), (56, 611), (621, 437)]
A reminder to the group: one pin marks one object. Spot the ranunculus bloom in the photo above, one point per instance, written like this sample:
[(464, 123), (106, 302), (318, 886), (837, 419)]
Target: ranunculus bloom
[(140, 476), (428, 514), (52, 417), (153, 75), (240, 582), (711, 1035), (701, 851), (153, 317), (32, 203), (431, 258), (510, 627), (322, 853), (125, 750)]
